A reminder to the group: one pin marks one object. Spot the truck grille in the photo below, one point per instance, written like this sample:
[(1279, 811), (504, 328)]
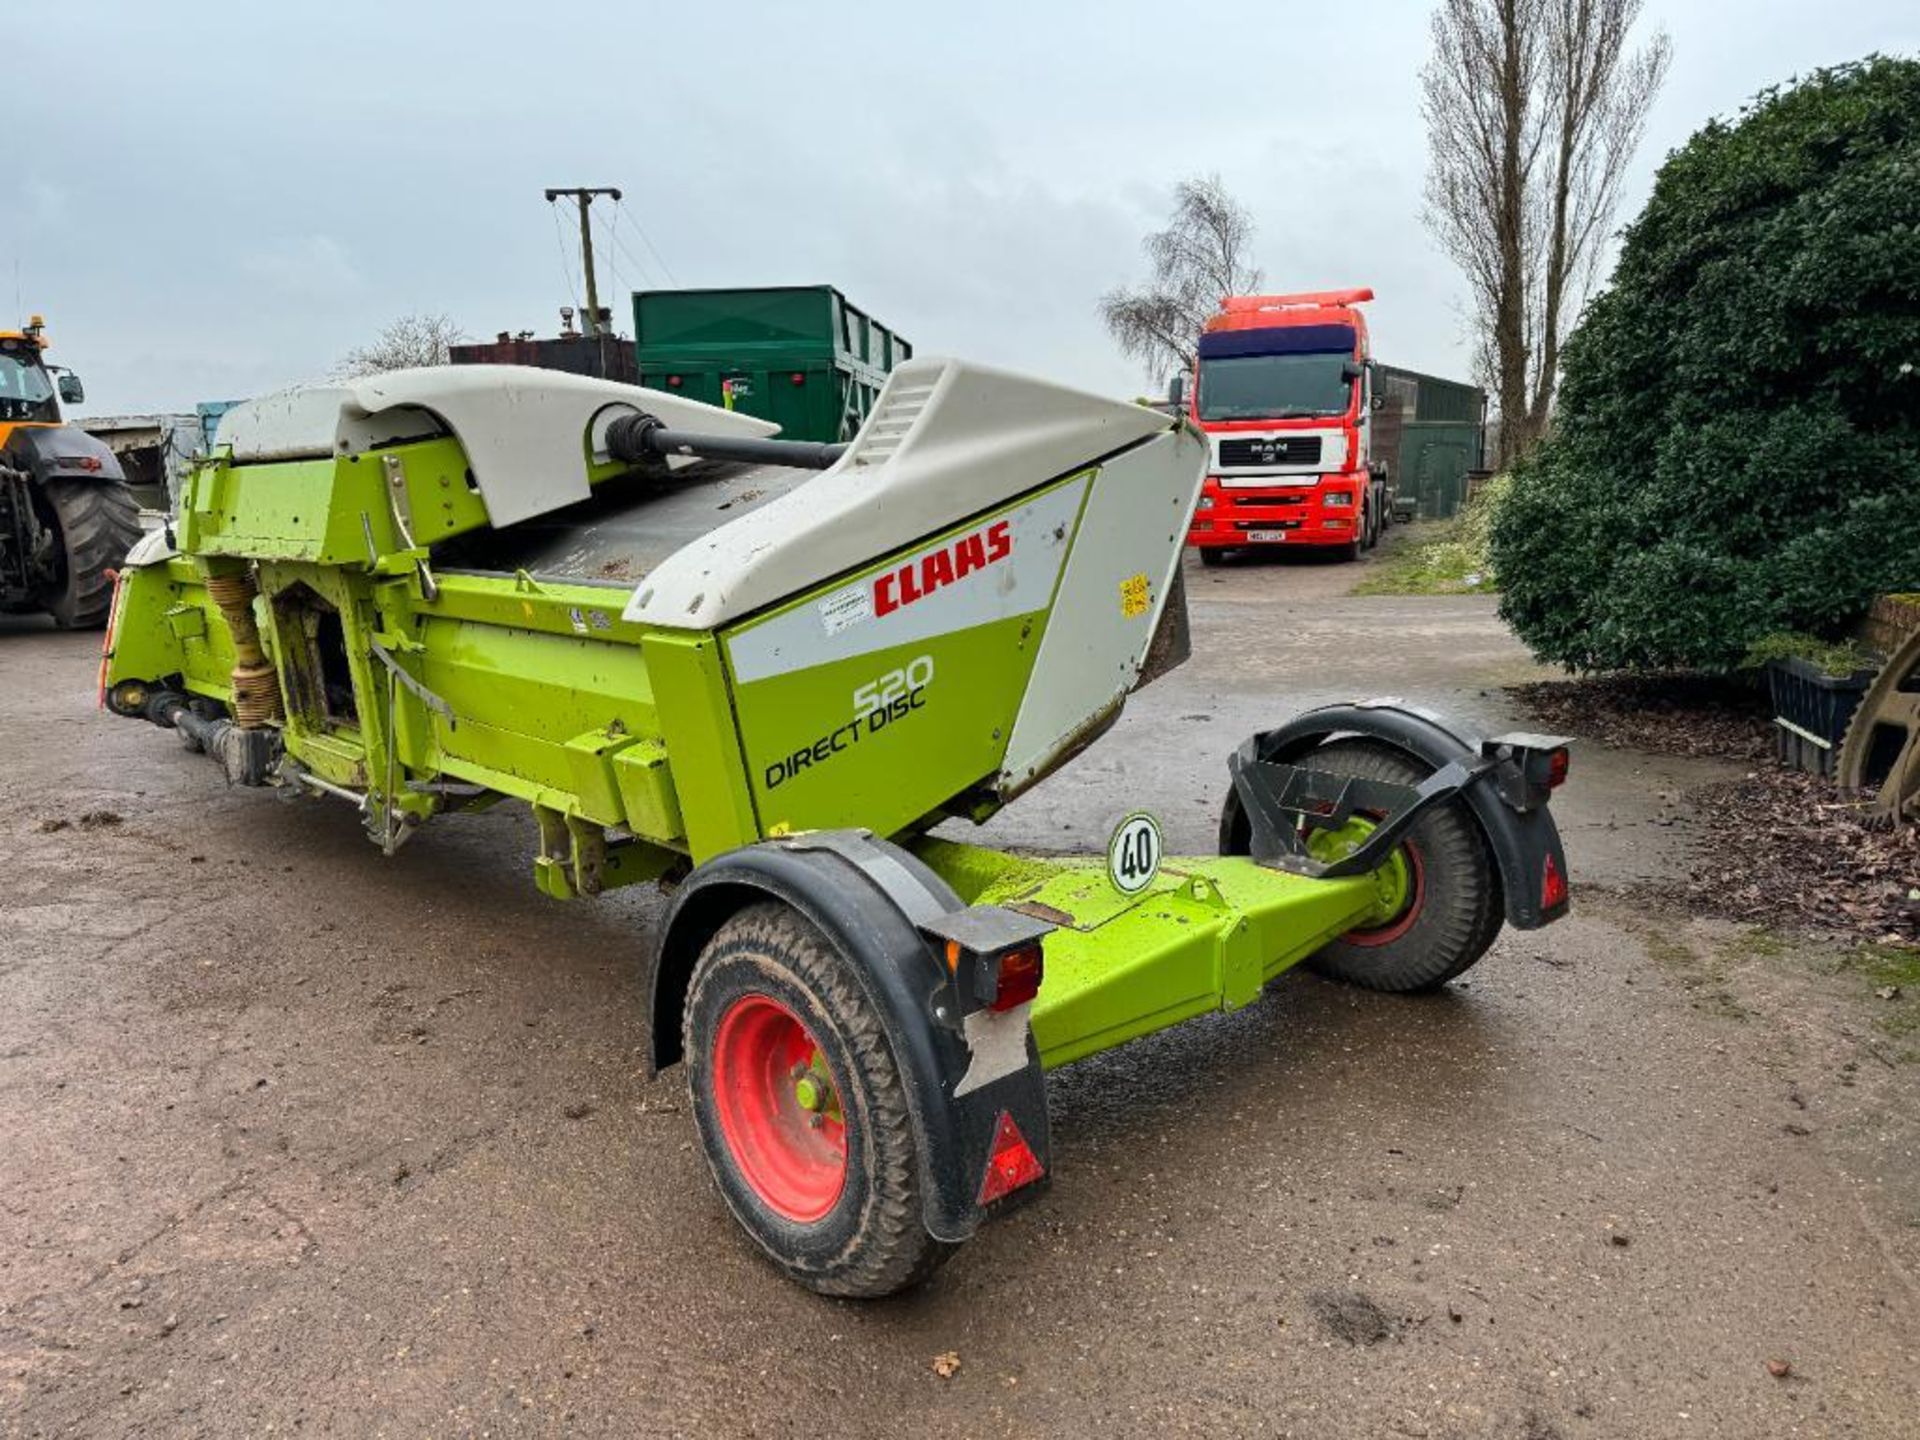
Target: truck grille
[(1273, 497), (1270, 450)]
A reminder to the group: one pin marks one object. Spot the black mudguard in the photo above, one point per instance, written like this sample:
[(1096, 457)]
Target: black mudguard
[(1523, 842), (61, 452), (868, 897)]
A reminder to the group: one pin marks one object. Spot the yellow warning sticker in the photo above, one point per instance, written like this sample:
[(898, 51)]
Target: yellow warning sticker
[(1134, 596)]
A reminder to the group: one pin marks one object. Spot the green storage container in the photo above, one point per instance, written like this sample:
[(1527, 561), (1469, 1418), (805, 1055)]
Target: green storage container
[(1431, 432), (801, 356)]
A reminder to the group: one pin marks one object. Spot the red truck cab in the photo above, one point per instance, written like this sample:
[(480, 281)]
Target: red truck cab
[(1283, 388)]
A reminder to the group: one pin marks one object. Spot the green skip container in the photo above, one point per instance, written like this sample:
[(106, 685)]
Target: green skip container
[(801, 356)]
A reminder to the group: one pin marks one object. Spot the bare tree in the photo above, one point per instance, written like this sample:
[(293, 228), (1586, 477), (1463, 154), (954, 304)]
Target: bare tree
[(1533, 109), (417, 339), (1200, 257)]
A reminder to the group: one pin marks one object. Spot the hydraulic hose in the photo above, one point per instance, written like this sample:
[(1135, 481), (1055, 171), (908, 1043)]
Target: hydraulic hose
[(639, 438)]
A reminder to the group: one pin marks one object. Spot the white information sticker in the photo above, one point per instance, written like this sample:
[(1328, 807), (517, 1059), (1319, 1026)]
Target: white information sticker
[(846, 607)]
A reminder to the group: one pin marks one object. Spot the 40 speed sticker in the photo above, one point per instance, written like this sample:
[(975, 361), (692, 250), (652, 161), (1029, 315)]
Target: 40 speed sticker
[(1133, 854)]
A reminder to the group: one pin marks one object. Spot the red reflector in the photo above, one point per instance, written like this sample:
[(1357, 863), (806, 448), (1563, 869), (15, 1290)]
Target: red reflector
[(1019, 979), (673, 381), (1556, 769), (798, 377), (1553, 886), (1012, 1163)]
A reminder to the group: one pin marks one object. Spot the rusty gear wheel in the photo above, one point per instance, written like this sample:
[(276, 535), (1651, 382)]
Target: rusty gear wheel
[(1882, 744)]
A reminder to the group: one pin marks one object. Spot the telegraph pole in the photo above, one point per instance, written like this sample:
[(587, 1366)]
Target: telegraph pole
[(583, 196)]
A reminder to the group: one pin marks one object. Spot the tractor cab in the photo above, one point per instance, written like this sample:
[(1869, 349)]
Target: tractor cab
[(27, 393)]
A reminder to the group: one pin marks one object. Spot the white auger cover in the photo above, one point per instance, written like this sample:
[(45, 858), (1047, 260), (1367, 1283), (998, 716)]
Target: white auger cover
[(946, 440), (528, 433)]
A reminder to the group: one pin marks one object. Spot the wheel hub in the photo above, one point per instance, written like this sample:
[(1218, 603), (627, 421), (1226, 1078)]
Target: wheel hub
[(779, 1108), (1397, 882)]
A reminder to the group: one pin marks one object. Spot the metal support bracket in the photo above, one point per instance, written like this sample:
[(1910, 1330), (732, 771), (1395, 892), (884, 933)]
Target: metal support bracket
[(576, 858), (402, 506), (419, 692), (1284, 801)]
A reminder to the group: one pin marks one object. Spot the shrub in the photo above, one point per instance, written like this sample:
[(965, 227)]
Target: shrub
[(1446, 557), (1736, 450)]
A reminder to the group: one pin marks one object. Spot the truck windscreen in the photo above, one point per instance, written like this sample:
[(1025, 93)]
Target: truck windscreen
[(26, 391), (1274, 387)]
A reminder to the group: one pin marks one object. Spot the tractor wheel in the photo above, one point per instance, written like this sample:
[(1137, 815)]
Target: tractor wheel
[(1453, 907), (97, 522), (802, 1108)]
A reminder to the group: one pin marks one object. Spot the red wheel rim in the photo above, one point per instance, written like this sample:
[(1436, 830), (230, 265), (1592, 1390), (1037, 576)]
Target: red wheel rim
[(1417, 892), (779, 1108)]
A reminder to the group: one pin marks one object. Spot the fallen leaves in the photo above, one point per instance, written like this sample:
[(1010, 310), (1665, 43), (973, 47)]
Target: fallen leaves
[(1782, 847), (1665, 714), (1787, 847), (946, 1364)]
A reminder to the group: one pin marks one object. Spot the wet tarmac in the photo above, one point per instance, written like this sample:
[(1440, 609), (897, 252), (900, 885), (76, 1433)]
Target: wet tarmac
[(297, 1140)]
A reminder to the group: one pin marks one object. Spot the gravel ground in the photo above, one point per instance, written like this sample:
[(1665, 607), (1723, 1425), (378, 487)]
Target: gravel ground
[(301, 1140)]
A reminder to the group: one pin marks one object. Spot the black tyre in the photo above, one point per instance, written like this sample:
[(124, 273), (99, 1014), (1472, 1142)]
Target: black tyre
[(1212, 555), (802, 1108), (98, 522), (1369, 527), (1454, 905)]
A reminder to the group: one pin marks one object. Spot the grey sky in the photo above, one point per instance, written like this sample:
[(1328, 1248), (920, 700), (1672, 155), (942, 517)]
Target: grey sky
[(208, 200)]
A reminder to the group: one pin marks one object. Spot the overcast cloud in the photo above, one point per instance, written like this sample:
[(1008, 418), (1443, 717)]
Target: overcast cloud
[(209, 200)]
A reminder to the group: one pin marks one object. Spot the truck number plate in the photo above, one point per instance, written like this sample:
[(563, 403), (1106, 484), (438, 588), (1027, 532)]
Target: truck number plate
[(1266, 537)]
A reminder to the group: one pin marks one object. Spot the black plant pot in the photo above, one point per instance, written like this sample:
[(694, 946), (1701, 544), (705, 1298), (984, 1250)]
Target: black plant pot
[(1810, 711)]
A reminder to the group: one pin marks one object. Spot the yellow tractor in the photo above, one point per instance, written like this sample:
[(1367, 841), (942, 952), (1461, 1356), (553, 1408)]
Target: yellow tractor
[(67, 516)]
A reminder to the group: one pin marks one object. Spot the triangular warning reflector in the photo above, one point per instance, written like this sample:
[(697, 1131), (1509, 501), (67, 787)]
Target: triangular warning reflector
[(1011, 1164), (1553, 886)]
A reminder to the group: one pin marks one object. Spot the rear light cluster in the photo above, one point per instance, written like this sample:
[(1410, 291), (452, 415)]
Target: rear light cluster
[(1014, 977), (1557, 762), (1541, 760), (1020, 972)]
